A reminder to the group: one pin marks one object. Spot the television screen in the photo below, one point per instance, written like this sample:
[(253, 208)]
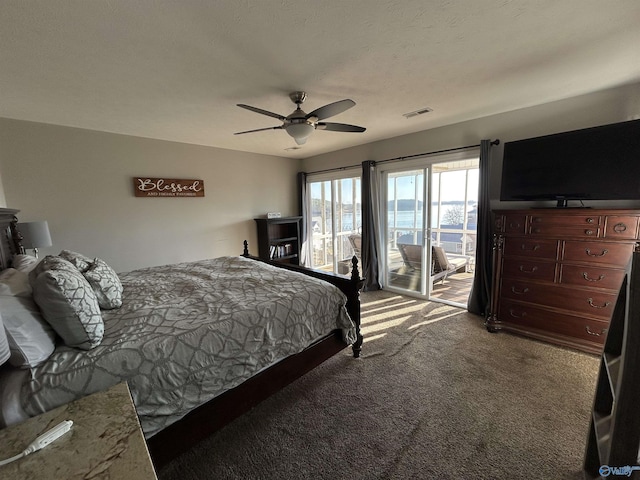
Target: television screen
[(599, 163)]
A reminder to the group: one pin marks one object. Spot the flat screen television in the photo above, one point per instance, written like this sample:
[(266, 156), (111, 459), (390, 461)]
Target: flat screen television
[(599, 163)]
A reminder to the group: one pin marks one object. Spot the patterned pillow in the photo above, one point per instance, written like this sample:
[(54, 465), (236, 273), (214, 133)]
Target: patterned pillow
[(69, 305), (50, 262), (105, 283), (78, 260)]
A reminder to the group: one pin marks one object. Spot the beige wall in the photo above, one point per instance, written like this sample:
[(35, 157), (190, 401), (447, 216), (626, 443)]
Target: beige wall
[(609, 106), (80, 181)]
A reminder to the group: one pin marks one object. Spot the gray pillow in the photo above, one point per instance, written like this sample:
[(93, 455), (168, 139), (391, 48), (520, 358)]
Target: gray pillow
[(105, 283), (31, 339), (69, 305), (81, 262)]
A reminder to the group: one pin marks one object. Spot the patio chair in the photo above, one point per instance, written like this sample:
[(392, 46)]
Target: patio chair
[(411, 256), (356, 243), (441, 264)]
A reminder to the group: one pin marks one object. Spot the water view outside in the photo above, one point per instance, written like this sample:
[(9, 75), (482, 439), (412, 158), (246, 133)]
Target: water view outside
[(452, 215), (336, 218)]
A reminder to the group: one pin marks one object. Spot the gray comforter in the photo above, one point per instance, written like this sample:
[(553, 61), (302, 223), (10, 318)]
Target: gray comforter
[(188, 332)]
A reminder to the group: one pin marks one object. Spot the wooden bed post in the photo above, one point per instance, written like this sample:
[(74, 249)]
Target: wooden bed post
[(349, 286), (354, 310)]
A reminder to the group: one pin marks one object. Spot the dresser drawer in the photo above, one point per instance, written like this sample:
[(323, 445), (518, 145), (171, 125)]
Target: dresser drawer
[(565, 231), (512, 224), (622, 227), (601, 253), (529, 270), (527, 316), (588, 225), (591, 276), (592, 303), (530, 247), (568, 221)]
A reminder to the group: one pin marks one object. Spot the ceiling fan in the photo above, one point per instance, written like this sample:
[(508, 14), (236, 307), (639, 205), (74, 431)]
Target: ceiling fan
[(300, 124)]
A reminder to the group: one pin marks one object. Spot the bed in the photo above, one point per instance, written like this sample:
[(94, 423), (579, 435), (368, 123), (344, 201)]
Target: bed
[(199, 343)]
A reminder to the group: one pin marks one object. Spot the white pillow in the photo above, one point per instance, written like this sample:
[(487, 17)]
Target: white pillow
[(24, 263), (105, 283), (31, 339), (15, 283), (69, 305)]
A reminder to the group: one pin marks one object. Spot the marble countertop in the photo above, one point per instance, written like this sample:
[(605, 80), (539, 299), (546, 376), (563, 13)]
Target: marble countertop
[(105, 442)]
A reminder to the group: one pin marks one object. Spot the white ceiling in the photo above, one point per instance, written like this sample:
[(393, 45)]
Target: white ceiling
[(175, 70)]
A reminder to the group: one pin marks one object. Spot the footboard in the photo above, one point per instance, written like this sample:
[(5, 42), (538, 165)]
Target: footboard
[(350, 286)]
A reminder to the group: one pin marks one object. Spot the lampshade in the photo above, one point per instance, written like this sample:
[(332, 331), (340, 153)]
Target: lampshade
[(35, 234), (300, 131), (4, 344)]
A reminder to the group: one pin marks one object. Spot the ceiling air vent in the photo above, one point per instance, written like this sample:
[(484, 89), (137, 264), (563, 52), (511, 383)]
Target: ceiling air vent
[(417, 112)]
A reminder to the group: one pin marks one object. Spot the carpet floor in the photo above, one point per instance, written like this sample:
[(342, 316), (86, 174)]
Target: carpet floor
[(434, 395)]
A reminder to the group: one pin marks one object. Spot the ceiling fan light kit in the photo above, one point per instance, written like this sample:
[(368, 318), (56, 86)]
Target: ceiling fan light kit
[(300, 125)]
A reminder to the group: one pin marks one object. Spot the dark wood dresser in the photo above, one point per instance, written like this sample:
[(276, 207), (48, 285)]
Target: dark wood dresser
[(557, 272)]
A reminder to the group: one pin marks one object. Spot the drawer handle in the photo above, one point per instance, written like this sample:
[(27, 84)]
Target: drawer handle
[(619, 227), (589, 232), (606, 304), (519, 292), (595, 334), (604, 252), (514, 225), (585, 275), (514, 313), (533, 249), (590, 220), (533, 269)]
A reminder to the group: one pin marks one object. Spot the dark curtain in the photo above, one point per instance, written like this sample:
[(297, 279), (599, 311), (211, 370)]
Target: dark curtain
[(480, 295), (302, 209), (370, 227)]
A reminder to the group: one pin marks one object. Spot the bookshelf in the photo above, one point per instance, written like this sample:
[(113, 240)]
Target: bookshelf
[(279, 239), (614, 433)]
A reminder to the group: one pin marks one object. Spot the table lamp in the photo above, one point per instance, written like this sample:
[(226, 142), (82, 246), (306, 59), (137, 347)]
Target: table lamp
[(35, 235)]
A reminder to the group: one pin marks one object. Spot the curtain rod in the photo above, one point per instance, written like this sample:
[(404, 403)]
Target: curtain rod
[(446, 150)]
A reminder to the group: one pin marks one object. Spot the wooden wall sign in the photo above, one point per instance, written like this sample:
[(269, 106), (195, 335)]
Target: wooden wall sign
[(167, 187)]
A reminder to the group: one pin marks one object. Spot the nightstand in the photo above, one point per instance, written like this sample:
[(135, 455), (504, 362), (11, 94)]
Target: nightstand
[(106, 441)]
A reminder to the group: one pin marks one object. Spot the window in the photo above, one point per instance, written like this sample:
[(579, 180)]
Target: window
[(334, 216)]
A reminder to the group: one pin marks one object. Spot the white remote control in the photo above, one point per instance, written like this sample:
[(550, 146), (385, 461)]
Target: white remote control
[(51, 435)]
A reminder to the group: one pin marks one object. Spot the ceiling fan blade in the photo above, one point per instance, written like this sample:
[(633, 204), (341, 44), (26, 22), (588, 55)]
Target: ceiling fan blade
[(259, 130), (263, 112), (332, 109), (339, 127)]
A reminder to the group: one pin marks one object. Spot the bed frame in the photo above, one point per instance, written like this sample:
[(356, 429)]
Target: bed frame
[(213, 415)]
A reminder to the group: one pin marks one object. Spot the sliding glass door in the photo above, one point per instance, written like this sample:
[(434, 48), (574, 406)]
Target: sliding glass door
[(405, 232), (430, 213)]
